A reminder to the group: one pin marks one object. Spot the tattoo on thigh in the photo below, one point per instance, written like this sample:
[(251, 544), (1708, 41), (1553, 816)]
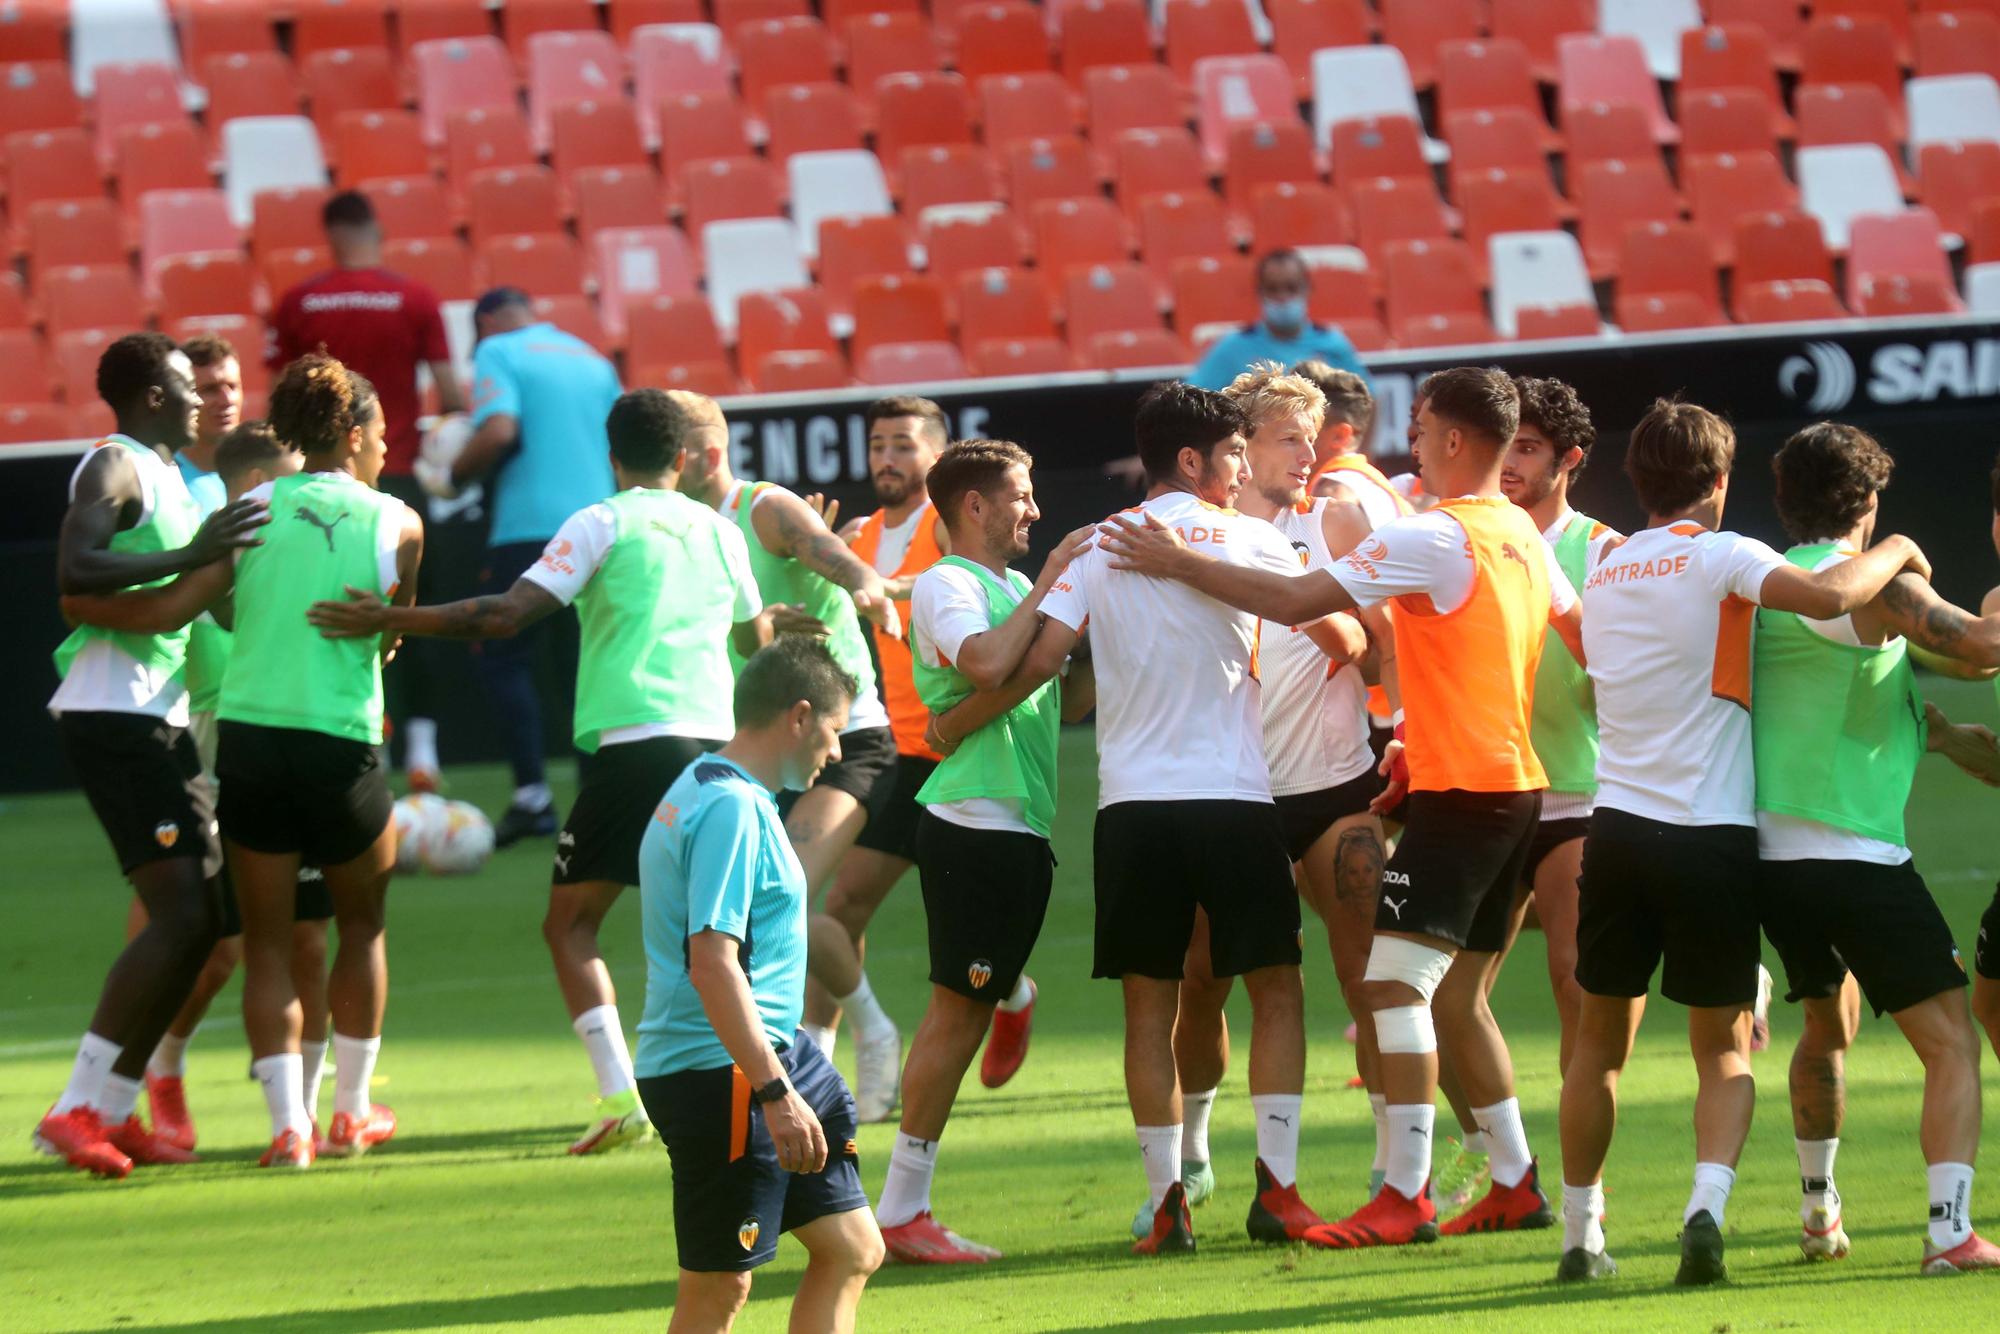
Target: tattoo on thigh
[(1357, 866)]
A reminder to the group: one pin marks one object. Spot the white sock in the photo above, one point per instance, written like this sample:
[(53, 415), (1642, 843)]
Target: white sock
[(1409, 1161), (1816, 1188), (1195, 1108), (1583, 1217), (1160, 1147), (1712, 1182), (117, 1099), (94, 1056), (1506, 1141), (604, 1038), (353, 1068), (906, 1190), (533, 796), (1951, 1203), (1474, 1141), (420, 744), (865, 1012), (823, 1038), (169, 1059), (283, 1078), (1021, 997), (312, 1056), (1379, 1105), (1278, 1133)]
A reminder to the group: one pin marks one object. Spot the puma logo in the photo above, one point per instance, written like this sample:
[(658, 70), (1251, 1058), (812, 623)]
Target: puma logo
[(1393, 906), (1510, 552), (312, 517), (1281, 1120), (1419, 1130)]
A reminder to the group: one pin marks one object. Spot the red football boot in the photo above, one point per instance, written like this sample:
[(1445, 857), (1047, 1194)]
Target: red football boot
[(1173, 1230), (1007, 1044), (166, 1095), (925, 1241), (77, 1137), (1520, 1207), (1277, 1214), (352, 1136), (143, 1147), (290, 1149), (1390, 1219), (1975, 1252)]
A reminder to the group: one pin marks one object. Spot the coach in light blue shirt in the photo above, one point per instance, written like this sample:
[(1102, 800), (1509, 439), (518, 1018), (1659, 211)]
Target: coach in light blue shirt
[(1285, 335)]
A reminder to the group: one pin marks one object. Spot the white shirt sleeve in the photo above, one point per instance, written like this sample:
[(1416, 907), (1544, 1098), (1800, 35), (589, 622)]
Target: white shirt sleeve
[(1423, 553), (948, 606), (574, 553), (736, 556), (1562, 593), (1741, 564), (1069, 600)]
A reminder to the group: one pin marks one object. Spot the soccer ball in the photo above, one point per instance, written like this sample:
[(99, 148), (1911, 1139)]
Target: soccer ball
[(441, 837), (416, 818), (441, 446)]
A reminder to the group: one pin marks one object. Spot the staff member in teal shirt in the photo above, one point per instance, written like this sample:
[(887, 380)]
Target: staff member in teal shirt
[(1285, 335), (539, 402)]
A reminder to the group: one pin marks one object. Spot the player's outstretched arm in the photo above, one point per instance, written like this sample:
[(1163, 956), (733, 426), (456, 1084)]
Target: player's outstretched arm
[(498, 616), (153, 611), (717, 975), (1149, 547), (1043, 660), (787, 526), (1967, 745), (988, 658), (1912, 608), (1842, 588), (108, 484)]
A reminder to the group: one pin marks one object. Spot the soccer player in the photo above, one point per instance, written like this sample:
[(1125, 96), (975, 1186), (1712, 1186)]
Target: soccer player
[(801, 566), (1986, 949), (1474, 590), (1837, 890), (1670, 862), (661, 584), (122, 713), (757, 1121), (982, 841), (1550, 449), (1185, 821)]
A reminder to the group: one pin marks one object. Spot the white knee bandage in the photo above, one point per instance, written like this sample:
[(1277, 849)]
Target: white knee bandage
[(1393, 959), (1405, 1030)]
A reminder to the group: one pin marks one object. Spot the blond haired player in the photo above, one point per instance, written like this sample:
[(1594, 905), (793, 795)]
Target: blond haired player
[(1670, 864)]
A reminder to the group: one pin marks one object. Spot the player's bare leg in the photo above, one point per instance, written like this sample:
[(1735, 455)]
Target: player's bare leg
[(1342, 874), (1201, 1057), (1277, 1096), (1605, 1030), (842, 1250), (357, 992), (1726, 1096), (575, 915), (1556, 907), (859, 888), (708, 1302), (1986, 1008), (309, 980), (1471, 1045), (1152, 1087), (822, 826), (1941, 1032), (266, 891), (941, 1052), (166, 1068), (1819, 1106)]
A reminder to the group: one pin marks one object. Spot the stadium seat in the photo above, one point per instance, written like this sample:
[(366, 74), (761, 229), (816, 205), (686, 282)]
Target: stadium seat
[(1835, 114), (1537, 24), (1894, 14), (484, 139), (833, 185), (1386, 210), (995, 357), (24, 370), (1151, 162), (107, 32), (1368, 147), (1481, 141), (36, 95), (1787, 302), (694, 126), (959, 240), (1108, 298), (1611, 70), (1984, 243), (1732, 57), (74, 355), (134, 94), (616, 197), (160, 157), (879, 45), (1001, 39), (47, 165), (1839, 183), (1779, 247), (1302, 27), (1176, 227), (249, 84), (512, 201), (841, 13), (733, 14), (1032, 105), (410, 206), (910, 363), (1002, 303), (458, 74), (1491, 76), (566, 67), (1213, 295), (13, 302), (800, 372), (1289, 215), (1842, 49), (775, 52), (1908, 244), (521, 21), (223, 27), (206, 283), (322, 26), (1423, 279), (367, 144), (1663, 312), (90, 296), (1343, 295), (1454, 330), (1349, 82), (340, 81), (1576, 320), (1955, 177), (790, 319), (38, 33), (742, 255), (724, 188), (442, 264), (1130, 97), (1726, 120), (1783, 23), (541, 265), (1657, 26), (595, 134), (1240, 90), (419, 21), (1131, 349), (669, 331), (1536, 269), (810, 118), (851, 249), (1957, 43), (66, 232), (913, 110), (1612, 196), (179, 222), (285, 268), (1504, 200), (1078, 232), (1039, 169), (1952, 108), (1903, 295), (577, 316), (1610, 132), (1418, 28), (1264, 155), (1102, 32), (31, 423), (674, 61), (947, 174), (1662, 258), (1205, 29), (1982, 289), (1725, 186)]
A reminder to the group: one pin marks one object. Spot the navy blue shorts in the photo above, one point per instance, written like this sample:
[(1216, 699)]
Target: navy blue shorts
[(731, 1199)]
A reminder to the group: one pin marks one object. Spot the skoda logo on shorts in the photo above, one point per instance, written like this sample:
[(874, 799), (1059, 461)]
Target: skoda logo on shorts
[(166, 833), (979, 974), (746, 1233)]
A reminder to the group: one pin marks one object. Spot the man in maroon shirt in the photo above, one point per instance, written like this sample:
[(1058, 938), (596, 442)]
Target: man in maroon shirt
[(385, 326)]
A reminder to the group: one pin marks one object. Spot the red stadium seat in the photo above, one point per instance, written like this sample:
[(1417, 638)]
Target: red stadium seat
[(1001, 39), (1418, 28), (1502, 200), (1130, 349), (1108, 298), (1958, 43), (66, 232), (810, 118), (841, 13), (1130, 97), (1538, 24), (1609, 132), (485, 139), (13, 303), (367, 144), (1955, 177), (341, 80), (733, 14), (788, 321), (627, 16), (577, 316), (1240, 90), (913, 110), (208, 283), (1782, 22), (1301, 27), (1345, 298), (616, 197), (1726, 120), (223, 27), (1287, 215), (1078, 232), (540, 265), (776, 52), (718, 189), (1176, 227), (1103, 32), (1039, 169), (181, 222), (1020, 356), (24, 371), (37, 95), (1660, 258), (32, 423), (852, 249), (910, 363), (1266, 154), (1909, 244), (1508, 139), (1202, 29), (595, 134), (800, 372), (669, 64), (638, 265), (1849, 50), (134, 94), (1454, 330), (1003, 303), (1612, 196), (1611, 70), (1213, 295), (1491, 76), (1663, 312), (965, 243), (1733, 56), (459, 74), (444, 266), (694, 126), (37, 32), (48, 164), (419, 21), (159, 157), (320, 26), (90, 296), (879, 45), (75, 354), (523, 20), (1034, 105), (512, 201), (1722, 188), (1386, 210), (1894, 14), (1779, 247), (1855, 113), (1371, 147), (1899, 294), (284, 269), (408, 206), (248, 84), (1787, 302), (1151, 162), (947, 174), (565, 67), (1424, 279), (664, 331)]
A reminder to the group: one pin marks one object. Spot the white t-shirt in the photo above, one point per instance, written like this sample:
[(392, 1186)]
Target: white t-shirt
[(1574, 805), (1180, 714), (949, 605), (1794, 838), (1672, 672), (102, 677), (896, 538), (1428, 553), (1315, 719), (579, 547)]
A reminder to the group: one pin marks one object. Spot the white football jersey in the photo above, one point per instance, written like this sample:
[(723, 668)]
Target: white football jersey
[(1315, 715)]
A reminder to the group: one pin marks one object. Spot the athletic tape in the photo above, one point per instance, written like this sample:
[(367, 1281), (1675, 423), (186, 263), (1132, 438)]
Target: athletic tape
[(1405, 1030), (1393, 959)]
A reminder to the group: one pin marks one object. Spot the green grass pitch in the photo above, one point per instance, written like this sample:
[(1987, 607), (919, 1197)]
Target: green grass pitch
[(474, 1217)]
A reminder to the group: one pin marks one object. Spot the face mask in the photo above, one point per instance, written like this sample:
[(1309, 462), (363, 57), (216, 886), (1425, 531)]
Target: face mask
[(1286, 314)]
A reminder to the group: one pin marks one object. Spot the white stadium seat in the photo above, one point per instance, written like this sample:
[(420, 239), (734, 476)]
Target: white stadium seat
[(268, 153), (1982, 289), (1955, 107), (1535, 269), (1839, 183), (1353, 81), (748, 255), (1657, 24), (845, 183), (107, 32)]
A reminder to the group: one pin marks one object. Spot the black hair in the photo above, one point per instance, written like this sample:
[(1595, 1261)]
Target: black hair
[(789, 669), (312, 405), (1558, 416), (1175, 415), (349, 208), (1826, 474), (1283, 256), (909, 405), (972, 465), (1479, 400), (648, 431), (250, 445), (132, 365)]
